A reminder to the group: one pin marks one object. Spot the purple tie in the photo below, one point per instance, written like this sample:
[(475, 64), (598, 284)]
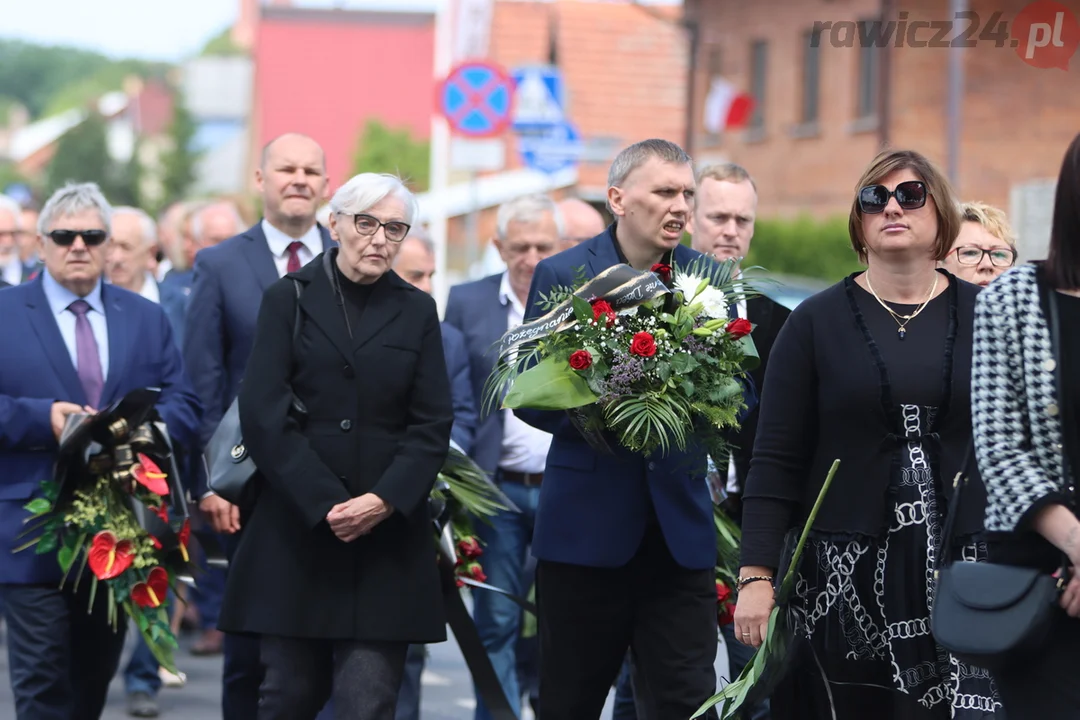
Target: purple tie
[(86, 351)]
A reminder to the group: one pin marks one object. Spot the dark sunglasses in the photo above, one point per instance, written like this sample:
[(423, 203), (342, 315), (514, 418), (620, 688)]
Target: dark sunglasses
[(909, 195), (66, 238)]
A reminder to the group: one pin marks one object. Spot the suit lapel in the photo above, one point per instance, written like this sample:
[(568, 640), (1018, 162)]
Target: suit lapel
[(48, 333), (381, 310), (321, 308), (119, 330), (258, 254), (602, 249)]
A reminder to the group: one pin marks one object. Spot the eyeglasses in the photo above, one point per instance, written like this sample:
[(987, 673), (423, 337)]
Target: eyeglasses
[(66, 238), (910, 195), (971, 255), (394, 231)]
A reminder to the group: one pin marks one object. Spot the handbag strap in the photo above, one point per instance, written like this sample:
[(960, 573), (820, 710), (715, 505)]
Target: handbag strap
[(961, 479)]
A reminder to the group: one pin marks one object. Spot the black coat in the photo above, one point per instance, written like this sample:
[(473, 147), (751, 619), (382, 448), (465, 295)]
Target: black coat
[(379, 419)]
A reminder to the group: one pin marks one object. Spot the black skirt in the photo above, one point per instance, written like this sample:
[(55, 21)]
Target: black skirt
[(1045, 687)]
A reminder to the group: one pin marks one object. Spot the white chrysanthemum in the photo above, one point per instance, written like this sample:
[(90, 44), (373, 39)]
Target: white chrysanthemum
[(687, 285), (713, 302)]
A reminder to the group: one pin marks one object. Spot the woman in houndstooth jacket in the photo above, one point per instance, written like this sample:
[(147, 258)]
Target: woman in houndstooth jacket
[(1026, 419)]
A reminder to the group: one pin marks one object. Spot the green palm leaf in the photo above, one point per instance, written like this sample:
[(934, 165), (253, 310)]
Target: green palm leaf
[(774, 647)]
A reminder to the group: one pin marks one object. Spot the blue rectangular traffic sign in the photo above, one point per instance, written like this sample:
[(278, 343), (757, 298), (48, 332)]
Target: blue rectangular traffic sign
[(539, 98)]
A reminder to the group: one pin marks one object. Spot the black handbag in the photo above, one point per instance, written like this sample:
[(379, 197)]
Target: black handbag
[(229, 467), (992, 615)]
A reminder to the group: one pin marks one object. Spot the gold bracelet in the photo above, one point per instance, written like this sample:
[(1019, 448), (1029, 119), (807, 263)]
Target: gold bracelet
[(753, 578)]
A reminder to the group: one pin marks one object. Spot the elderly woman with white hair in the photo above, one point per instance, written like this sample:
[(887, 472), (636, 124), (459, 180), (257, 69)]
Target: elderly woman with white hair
[(345, 408)]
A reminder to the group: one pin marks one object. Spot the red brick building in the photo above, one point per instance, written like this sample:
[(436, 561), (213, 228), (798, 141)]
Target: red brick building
[(824, 112)]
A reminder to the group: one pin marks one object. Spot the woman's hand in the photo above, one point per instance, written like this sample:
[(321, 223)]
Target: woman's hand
[(1070, 599), (752, 612), (359, 516)]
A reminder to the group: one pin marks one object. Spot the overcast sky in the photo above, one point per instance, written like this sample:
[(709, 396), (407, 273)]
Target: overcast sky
[(150, 29)]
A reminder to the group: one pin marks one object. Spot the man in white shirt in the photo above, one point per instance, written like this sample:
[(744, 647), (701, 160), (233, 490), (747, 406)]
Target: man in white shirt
[(529, 229)]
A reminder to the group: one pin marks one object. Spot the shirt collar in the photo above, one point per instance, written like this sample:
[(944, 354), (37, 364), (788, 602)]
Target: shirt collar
[(279, 242), (149, 288), (59, 297), (507, 295)]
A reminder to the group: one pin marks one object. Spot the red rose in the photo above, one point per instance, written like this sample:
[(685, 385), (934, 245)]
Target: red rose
[(643, 345), (602, 308), (740, 327), (726, 615), (459, 583), (663, 270), (475, 572), (470, 548), (580, 359), (723, 592)]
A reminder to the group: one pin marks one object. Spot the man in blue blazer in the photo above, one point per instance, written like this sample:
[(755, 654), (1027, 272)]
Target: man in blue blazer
[(83, 345), (223, 307), (626, 544)]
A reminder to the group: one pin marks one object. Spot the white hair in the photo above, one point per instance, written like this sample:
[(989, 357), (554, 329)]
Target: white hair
[(528, 209), (147, 226), (75, 198), (197, 222), (366, 190), (12, 206)]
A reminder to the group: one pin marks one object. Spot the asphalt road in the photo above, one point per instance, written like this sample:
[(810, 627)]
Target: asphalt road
[(447, 687)]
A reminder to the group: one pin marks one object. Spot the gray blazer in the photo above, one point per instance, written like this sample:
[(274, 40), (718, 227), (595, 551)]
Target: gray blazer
[(1015, 413)]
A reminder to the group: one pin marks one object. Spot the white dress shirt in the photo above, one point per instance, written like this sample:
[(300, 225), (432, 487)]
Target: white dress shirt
[(279, 246), (59, 298), (732, 478), (524, 448), (149, 289), (12, 272)]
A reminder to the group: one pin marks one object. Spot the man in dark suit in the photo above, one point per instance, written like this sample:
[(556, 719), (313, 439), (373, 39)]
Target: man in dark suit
[(723, 226), (223, 307), (83, 345), (529, 229), (626, 544)]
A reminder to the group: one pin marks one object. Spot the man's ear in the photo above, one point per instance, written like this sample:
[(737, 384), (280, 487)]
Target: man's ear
[(615, 201)]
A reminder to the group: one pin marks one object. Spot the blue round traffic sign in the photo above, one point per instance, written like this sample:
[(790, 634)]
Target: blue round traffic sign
[(475, 98), (551, 150)]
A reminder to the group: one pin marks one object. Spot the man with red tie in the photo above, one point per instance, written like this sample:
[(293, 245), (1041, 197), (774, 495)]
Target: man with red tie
[(219, 330)]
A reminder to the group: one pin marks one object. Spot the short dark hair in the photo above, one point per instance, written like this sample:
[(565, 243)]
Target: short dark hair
[(1062, 267)]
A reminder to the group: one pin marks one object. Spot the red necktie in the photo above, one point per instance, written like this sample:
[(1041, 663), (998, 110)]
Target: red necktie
[(294, 256)]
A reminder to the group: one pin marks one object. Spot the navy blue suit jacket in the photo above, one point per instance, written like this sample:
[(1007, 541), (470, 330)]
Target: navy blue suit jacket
[(461, 391), (594, 508), (173, 301), (37, 371), (475, 309), (219, 323)]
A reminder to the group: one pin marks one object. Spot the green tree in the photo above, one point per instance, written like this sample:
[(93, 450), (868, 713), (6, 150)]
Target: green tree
[(179, 161), (803, 246), (384, 149), (221, 45), (82, 155)]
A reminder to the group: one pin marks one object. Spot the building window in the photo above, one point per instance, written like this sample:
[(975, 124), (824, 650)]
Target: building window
[(758, 56), (869, 74), (810, 78)]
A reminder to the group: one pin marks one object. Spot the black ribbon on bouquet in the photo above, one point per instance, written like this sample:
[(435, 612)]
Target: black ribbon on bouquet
[(620, 285)]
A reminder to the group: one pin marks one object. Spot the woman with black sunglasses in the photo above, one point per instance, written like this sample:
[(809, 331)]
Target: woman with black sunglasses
[(1026, 413), (874, 371)]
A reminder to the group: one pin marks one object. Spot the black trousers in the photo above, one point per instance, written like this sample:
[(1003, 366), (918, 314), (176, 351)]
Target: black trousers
[(363, 678), (61, 657), (242, 671), (588, 617), (1043, 686)]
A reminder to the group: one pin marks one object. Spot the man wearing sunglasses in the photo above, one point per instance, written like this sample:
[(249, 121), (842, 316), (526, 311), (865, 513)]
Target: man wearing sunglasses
[(82, 345)]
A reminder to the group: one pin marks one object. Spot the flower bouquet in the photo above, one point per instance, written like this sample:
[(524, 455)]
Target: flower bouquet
[(650, 358), (116, 506)]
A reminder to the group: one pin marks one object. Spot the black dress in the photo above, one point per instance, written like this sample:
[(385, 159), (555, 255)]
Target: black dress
[(863, 601), (1045, 687)]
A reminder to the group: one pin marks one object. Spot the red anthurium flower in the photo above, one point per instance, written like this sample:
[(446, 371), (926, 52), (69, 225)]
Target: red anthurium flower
[(153, 592), (109, 557), (603, 309), (185, 535), (149, 475)]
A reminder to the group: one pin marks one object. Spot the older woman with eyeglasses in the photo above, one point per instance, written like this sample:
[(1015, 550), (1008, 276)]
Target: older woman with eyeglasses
[(876, 372), (336, 568), (985, 246)]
